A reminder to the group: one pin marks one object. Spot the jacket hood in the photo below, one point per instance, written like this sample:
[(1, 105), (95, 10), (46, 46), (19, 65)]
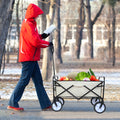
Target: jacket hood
[(33, 11)]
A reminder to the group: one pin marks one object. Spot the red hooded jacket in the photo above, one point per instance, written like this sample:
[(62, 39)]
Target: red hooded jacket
[(30, 40)]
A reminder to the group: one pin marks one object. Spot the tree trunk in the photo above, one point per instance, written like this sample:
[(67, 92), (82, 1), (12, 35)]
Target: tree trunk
[(18, 25), (65, 35), (113, 35), (6, 9), (89, 29), (109, 42), (109, 32), (90, 24), (8, 45), (80, 27), (57, 34), (47, 63)]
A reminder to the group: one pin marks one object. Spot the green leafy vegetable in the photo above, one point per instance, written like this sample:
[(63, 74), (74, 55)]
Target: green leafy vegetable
[(82, 75), (91, 72)]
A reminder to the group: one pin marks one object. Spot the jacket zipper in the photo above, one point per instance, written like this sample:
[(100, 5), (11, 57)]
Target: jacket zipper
[(34, 53)]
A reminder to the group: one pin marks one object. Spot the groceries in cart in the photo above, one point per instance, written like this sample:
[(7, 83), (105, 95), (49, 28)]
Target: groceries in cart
[(85, 76)]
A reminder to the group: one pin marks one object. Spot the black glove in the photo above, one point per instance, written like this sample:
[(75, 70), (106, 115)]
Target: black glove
[(44, 35), (51, 44)]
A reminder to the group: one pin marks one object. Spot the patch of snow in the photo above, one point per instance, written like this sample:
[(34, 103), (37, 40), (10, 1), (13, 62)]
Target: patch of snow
[(13, 71), (26, 95), (8, 77)]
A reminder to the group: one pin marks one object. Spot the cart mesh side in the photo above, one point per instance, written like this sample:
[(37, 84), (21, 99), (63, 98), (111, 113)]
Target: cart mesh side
[(79, 89)]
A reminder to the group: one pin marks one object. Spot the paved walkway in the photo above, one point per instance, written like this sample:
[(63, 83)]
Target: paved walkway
[(72, 110)]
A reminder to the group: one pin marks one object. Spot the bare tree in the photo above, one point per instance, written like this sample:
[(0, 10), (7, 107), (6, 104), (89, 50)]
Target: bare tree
[(110, 24), (57, 35), (8, 45), (89, 29), (18, 24), (113, 34), (47, 63), (6, 9), (65, 36), (107, 24), (112, 4), (80, 26), (90, 24)]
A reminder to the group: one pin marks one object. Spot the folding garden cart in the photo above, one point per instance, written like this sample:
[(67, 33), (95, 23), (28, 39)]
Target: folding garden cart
[(93, 90)]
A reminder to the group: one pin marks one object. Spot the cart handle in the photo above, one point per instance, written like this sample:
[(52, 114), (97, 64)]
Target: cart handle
[(52, 51)]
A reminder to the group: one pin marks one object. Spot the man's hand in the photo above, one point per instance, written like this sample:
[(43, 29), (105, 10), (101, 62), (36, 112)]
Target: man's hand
[(44, 35)]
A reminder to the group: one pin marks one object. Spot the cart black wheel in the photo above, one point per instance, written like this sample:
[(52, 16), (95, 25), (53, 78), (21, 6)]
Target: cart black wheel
[(61, 100), (99, 107), (94, 100), (57, 106)]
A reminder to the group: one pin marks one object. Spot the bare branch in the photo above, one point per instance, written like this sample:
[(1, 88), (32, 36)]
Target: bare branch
[(98, 14)]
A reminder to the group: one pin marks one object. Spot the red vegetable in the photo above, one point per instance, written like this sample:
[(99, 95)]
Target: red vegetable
[(62, 78), (93, 78)]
